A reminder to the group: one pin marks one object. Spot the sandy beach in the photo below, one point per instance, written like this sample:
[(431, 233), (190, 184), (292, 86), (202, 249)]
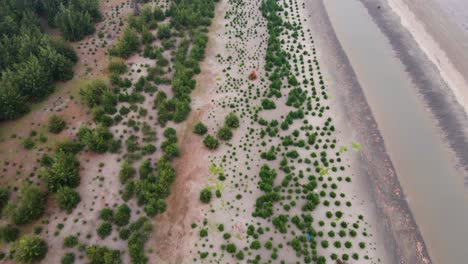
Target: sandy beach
[(437, 83)]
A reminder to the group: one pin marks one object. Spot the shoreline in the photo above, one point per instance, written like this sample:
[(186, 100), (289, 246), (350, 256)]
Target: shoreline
[(386, 189), (440, 98)]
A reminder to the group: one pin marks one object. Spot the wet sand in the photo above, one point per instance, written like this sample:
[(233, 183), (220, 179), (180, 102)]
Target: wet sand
[(438, 88), (403, 239)]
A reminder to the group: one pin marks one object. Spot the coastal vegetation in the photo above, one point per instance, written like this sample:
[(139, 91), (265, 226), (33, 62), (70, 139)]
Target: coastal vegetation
[(270, 175)]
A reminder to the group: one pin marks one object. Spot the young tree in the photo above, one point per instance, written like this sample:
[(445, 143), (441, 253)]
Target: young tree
[(127, 45), (64, 172), (117, 66), (12, 102), (30, 249), (231, 120), (56, 124), (225, 133), (4, 195), (30, 205), (164, 31), (73, 24), (67, 198), (93, 93), (99, 255), (126, 172), (211, 142), (104, 230), (200, 128), (122, 215), (9, 233), (205, 195)]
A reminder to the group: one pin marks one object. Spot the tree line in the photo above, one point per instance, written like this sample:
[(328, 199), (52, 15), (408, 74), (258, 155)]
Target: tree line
[(31, 61)]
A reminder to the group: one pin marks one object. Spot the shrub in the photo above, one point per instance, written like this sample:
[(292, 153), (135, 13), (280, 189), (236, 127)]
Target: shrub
[(68, 146), (99, 139), (99, 255), (29, 249), (28, 143), (64, 172), (203, 232), (200, 129), (30, 205), (211, 142), (68, 258), (324, 243), (225, 133), (67, 198), (205, 195), (104, 229), (240, 255), (117, 66), (127, 45), (231, 248), (268, 104), (4, 195), (56, 124), (93, 93), (70, 241), (9, 233), (231, 120), (106, 214), (126, 172), (122, 215), (255, 245), (164, 31)]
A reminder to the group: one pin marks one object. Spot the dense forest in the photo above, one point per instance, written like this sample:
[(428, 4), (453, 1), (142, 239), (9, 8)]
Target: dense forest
[(30, 59)]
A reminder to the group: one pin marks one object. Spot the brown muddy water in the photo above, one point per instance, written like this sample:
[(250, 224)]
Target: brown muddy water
[(433, 186)]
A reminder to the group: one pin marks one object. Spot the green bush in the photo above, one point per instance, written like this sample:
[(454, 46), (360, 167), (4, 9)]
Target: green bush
[(164, 31), (126, 172), (64, 172), (9, 233), (231, 248), (211, 142), (255, 245), (104, 229), (203, 232), (93, 93), (200, 129), (102, 255), (30, 249), (268, 104), (70, 241), (68, 258), (205, 195), (127, 45), (231, 120), (122, 215), (68, 146), (117, 66), (225, 133), (240, 255), (28, 143), (4, 195), (56, 124), (99, 139), (30, 205), (106, 214), (67, 198)]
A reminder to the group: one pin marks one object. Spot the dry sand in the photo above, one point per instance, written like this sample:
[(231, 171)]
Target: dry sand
[(175, 241)]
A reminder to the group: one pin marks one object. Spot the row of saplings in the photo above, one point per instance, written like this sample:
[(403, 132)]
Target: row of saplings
[(231, 121)]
